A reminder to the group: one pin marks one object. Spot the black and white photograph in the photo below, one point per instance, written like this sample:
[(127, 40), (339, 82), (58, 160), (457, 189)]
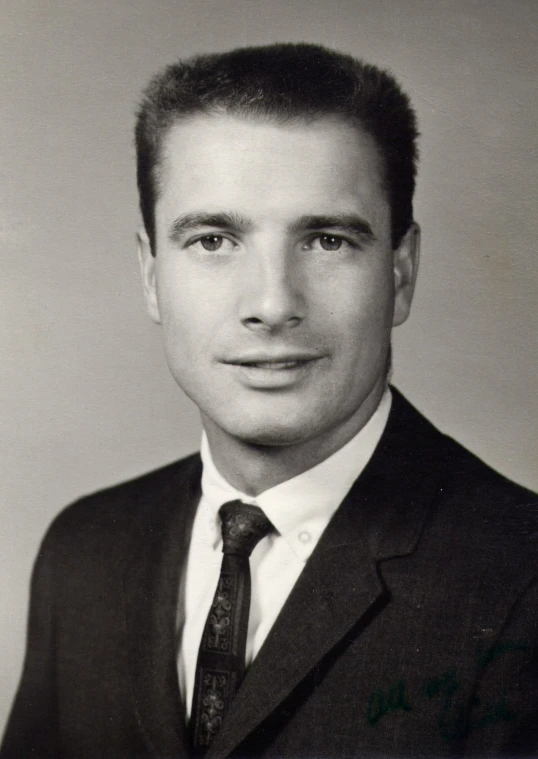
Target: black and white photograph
[(269, 356)]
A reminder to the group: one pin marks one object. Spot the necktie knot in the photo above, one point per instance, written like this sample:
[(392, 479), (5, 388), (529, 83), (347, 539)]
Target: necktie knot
[(243, 526)]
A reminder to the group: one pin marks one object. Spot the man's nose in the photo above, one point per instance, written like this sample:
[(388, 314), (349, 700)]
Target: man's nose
[(272, 297)]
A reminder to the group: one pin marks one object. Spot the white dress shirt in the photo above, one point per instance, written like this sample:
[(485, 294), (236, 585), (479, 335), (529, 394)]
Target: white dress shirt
[(300, 510)]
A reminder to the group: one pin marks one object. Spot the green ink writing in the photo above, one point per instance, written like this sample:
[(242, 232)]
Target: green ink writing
[(485, 656), (495, 712), (458, 715), (452, 716), (458, 718), (393, 700)]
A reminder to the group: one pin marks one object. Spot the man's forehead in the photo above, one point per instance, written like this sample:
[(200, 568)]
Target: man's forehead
[(270, 174), (249, 127), (253, 148)]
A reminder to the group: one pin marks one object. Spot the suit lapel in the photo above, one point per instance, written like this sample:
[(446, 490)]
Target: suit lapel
[(342, 585), (151, 588)]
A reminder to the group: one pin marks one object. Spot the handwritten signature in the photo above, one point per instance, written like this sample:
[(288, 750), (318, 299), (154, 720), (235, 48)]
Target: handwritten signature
[(456, 719)]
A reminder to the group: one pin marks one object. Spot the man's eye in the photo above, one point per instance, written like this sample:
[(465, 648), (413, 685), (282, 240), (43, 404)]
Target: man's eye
[(213, 243), (330, 242), (327, 242)]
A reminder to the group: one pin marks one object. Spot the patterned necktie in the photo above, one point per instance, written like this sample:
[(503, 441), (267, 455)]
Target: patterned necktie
[(221, 657)]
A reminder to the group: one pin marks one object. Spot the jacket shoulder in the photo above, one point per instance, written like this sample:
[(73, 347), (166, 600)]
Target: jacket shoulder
[(500, 516), (470, 491), (483, 512), (461, 467), (114, 511)]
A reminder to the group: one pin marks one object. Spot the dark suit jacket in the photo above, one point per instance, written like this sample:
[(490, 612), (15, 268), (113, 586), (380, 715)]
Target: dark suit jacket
[(411, 632)]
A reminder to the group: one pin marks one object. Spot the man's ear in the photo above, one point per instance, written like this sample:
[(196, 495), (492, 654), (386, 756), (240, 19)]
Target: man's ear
[(147, 262), (405, 262)]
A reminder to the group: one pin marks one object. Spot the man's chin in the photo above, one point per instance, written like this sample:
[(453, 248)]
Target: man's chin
[(271, 435), (265, 430)]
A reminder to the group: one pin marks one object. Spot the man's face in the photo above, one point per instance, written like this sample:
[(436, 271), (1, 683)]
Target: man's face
[(274, 278)]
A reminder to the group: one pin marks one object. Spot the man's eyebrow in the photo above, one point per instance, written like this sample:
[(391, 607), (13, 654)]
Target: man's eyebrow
[(229, 220), (342, 222), (221, 220)]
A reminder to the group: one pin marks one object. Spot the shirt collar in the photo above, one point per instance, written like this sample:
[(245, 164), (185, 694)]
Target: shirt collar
[(300, 508)]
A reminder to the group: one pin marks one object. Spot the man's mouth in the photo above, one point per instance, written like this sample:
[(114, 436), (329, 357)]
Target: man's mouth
[(272, 372), (274, 365), (288, 359)]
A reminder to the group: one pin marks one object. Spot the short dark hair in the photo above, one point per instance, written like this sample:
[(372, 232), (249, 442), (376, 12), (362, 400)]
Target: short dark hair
[(286, 83)]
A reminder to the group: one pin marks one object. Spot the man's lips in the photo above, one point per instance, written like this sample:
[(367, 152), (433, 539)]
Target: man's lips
[(272, 371), (272, 362)]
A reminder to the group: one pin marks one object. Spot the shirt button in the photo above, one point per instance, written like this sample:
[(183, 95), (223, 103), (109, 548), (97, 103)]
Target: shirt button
[(305, 536)]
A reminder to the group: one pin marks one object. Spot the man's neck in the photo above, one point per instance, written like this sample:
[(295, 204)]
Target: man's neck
[(252, 468)]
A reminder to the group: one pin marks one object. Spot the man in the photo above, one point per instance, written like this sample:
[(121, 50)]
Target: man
[(386, 602)]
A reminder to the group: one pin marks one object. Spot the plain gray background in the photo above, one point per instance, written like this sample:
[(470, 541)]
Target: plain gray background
[(86, 395)]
